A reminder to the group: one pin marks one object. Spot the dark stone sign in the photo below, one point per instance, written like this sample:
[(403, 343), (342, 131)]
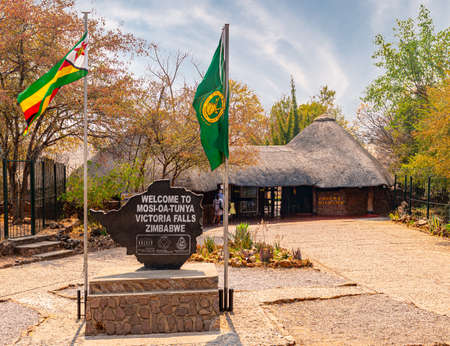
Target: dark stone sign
[(159, 226)]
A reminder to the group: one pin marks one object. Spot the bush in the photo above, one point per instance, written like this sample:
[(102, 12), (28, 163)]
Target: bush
[(102, 188)]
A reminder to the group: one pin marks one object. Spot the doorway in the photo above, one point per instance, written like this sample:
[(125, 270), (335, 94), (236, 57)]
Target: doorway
[(297, 200)]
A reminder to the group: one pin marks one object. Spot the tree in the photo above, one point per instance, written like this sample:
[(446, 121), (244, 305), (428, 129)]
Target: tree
[(163, 139), (33, 37), (433, 136), (287, 119), (279, 126), (248, 123), (394, 101), (293, 114)]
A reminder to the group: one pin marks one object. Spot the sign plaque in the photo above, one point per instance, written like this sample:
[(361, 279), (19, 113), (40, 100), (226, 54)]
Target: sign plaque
[(159, 226)]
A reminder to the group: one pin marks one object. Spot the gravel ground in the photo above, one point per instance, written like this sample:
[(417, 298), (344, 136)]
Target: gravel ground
[(14, 319), (365, 319), (261, 279)]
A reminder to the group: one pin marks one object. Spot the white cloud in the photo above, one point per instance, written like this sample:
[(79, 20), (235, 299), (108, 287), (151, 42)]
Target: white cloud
[(312, 62), (272, 39)]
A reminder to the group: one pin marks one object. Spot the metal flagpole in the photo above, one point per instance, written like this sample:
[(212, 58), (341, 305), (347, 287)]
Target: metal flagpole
[(225, 183), (85, 238)]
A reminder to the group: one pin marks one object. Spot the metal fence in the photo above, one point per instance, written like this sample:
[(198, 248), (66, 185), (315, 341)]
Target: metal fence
[(29, 196), (425, 198)]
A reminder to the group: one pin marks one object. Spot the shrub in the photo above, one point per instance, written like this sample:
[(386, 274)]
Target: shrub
[(102, 188), (394, 216), (435, 225), (242, 238), (209, 244)]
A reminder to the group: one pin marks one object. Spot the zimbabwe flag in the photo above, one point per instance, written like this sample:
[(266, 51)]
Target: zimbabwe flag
[(35, 99)]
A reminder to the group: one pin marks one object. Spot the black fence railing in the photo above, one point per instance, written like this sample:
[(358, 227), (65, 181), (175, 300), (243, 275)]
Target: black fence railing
[(29, 196), (425, 197)]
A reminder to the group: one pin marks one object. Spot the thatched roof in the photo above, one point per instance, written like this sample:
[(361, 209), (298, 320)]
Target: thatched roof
[(322, 155)]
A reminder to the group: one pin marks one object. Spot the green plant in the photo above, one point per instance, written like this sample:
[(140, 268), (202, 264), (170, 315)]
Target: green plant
[(394, 216), (102, 188), (277, 242), (435, 225), (209, 244), (242, 238)]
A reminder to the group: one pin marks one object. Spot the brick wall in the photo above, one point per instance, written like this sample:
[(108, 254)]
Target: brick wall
[(350, 201), (382, 201)]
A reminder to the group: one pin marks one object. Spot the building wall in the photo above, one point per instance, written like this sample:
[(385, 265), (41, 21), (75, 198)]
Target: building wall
[(326, 202), (350, 201), (382, 200)]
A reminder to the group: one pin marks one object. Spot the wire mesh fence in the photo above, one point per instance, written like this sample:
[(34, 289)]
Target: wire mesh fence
[(29, 196), (425, 198)]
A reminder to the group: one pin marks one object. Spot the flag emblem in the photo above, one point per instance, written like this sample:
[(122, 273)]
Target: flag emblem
[(213, 106), (36, 98)]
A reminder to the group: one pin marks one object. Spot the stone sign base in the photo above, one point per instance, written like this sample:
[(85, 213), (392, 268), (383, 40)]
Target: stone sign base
[(154, 301)]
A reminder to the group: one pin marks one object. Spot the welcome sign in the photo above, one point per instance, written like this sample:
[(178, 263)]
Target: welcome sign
[(159, 226)]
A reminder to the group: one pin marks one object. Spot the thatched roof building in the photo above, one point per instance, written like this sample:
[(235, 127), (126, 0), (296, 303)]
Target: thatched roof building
[(323, 155), (322, 171)]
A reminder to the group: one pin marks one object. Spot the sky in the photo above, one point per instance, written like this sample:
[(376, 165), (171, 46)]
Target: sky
[(319, 43)]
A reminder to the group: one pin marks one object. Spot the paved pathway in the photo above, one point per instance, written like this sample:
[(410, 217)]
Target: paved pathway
[(404, 264), (390, 258)]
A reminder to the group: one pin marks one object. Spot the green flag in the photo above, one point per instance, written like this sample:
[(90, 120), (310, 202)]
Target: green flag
[(212, 110)]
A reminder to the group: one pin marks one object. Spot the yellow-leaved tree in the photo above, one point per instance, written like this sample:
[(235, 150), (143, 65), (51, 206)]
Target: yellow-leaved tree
[(433, 135)]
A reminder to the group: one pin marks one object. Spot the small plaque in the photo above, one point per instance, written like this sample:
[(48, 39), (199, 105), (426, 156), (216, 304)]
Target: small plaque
[(171, 244), (159, 226)]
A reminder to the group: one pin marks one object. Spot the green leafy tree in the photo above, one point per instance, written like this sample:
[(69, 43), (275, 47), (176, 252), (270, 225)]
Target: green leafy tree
[(394, 102), (294, 111), (287, 119), (279, 126), (102, 188)]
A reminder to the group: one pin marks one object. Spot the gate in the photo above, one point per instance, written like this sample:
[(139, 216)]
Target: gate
[(29, 198)]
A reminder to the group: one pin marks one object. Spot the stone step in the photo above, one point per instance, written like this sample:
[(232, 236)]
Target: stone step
[(37, 248), (31, 239), (192, 276), (54, 254)]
